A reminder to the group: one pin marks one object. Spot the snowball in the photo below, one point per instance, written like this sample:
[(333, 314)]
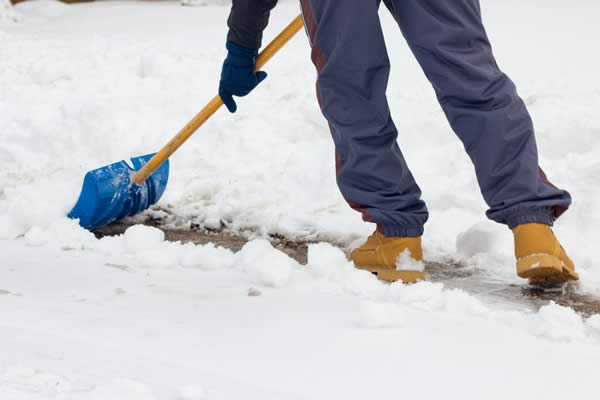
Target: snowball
[(480, 238), (375, 315), (560, 323), (141, 237), (264, 264), (192, 392)]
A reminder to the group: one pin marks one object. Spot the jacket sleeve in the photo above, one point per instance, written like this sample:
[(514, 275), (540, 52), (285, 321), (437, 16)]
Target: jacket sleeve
[(248, 20)]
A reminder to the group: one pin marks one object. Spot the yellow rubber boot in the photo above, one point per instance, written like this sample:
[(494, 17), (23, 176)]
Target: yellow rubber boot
[(379, 254), (540, 257)]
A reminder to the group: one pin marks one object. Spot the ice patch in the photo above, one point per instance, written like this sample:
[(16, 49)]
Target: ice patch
[(264, 264)]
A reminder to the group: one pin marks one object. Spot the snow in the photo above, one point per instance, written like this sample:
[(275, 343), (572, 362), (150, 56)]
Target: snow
[(478, 239), (138, 317), (7, 14), (264, 264), (405, 262), (192, 392), (560, 323)]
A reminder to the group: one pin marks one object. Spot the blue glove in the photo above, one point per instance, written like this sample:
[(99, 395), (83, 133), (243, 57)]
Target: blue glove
[(237, 76)]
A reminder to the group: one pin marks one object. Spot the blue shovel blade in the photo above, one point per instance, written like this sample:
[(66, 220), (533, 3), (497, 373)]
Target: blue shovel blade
[(109, 194)]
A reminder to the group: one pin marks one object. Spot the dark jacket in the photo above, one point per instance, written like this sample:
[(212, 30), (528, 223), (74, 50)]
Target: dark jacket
[(247, 21)]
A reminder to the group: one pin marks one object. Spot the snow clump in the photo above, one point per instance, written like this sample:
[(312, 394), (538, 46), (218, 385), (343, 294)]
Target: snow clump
[(140, 237), (264, 264), (405, 262), (206, 257), (560, 323)]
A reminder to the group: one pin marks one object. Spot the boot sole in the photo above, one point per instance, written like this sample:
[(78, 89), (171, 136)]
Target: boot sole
[(392, 275), (544, 269)]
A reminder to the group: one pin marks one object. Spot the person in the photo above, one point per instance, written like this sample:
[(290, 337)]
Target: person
[(480, 101)]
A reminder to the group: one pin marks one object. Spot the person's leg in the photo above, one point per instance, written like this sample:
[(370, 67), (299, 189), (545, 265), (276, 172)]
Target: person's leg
[(483, 108), (485, 111), (349, 52)]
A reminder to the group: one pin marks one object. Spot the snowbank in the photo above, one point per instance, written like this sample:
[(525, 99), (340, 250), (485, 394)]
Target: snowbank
[(117, 311)]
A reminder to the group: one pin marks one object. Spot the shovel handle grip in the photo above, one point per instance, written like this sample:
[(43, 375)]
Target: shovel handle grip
[(159, 158)]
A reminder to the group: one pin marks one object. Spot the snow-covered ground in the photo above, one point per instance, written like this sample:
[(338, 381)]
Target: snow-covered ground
[(135, 317)]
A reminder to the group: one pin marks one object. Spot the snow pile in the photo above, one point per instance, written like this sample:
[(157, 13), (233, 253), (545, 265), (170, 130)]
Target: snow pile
[(163, 306), (259, 263)]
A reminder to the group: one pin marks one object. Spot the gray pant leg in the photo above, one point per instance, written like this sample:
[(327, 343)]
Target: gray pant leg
[(349, 52), (482, 106)]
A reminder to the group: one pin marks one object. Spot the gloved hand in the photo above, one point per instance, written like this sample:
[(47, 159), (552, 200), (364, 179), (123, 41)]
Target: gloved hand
[(237, 76)]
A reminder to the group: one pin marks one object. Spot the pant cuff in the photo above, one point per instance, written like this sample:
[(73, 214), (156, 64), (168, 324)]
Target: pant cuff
[(531, 216), (400, 231)]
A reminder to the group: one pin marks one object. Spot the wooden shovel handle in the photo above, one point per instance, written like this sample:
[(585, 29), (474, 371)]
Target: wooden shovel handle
[(212, 107)]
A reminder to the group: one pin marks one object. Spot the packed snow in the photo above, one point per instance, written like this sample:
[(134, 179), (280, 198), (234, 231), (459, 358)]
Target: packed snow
[(137, 317)]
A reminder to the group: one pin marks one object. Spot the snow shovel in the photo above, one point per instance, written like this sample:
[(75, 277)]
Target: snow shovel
[(118, 190)]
